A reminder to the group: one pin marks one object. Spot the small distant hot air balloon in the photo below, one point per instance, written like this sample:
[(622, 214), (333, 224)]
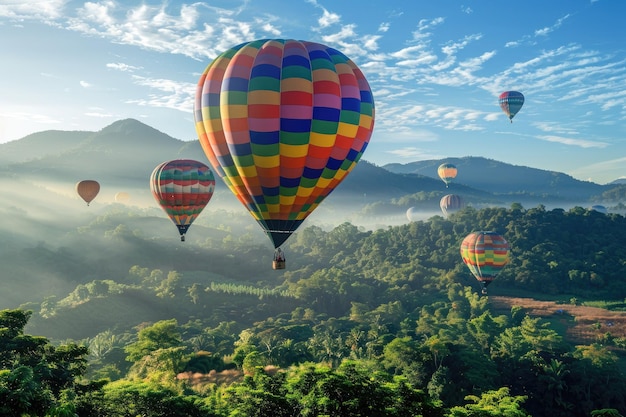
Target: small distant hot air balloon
[(447, 172), (88, 190), (511, 102), (451, 203), (485, 254), (412, 214), (122, 197), (599, 208), (283, 122), (183, 187)]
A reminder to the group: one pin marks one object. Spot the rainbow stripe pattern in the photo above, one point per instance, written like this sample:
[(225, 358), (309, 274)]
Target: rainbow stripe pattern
[(485, 254), (182, 187), (283, 122)]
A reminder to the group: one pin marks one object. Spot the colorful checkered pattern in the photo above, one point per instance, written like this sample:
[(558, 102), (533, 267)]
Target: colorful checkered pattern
[(485, 254), (283, 122)]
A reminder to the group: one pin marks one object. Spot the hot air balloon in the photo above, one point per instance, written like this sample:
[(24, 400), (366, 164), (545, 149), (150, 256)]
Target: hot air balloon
[(599, 208), (511, 102), (183, 187), (451, 203), (485, 254), (412, 214), (88, 190), (122, 197), (447, 172), (283, 122)]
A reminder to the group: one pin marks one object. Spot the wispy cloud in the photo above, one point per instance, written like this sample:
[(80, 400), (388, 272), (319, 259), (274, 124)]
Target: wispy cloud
[(46, 10), (573, 142), (123, 67), (166, 93), (412, 154), (546, 30)]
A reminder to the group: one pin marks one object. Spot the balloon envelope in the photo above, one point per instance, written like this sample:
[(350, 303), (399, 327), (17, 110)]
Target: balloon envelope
[(412, 214), (283, 122), (122, 197), (88, 190), (447, 172), (511, 102), (451, 203), (182, 187), (599, 208), (485, 254)]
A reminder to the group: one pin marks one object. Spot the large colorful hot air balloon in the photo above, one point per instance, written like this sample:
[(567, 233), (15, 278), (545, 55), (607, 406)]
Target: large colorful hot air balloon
[(511, 102), (283, 122), (451, 203), (183, 187), (447, 172), (485, 254), (88, 190)]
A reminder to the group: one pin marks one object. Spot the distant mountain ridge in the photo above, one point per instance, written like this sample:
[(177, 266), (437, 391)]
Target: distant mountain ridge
[(501, 178), (123, 154)]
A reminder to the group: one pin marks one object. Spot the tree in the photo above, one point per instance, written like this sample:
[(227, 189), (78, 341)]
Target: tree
[(34, 373), (161, 335), (491, 404)]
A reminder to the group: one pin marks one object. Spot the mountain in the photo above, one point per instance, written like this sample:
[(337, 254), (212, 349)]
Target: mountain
[(121, 157), (505, 179)]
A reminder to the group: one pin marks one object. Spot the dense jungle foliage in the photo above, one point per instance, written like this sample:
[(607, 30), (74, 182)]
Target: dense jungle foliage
[(362, 323)]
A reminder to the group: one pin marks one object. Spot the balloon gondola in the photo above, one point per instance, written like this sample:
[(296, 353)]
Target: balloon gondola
[(283, 122), (279, 259)]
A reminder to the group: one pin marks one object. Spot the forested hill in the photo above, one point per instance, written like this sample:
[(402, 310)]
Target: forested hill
[(393, 311), (141, 321)]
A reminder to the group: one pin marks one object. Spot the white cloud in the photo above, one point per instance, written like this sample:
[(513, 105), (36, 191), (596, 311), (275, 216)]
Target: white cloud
[(556, 25), (573, 142), (46, 10), (169, 93), (122, 67), (328, 19)]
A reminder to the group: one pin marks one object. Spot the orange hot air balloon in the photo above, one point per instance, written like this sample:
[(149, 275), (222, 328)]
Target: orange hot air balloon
[(447, 172), (283, 122), (88, 190)]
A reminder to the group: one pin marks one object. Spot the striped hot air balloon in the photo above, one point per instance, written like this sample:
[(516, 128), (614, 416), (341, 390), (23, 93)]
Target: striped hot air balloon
[(283, 122), (447, 172), (182, 187), (451, 203), (485, 254), (511, 102)]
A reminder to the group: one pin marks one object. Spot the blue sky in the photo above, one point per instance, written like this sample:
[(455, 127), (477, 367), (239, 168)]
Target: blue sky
[(436, 69)]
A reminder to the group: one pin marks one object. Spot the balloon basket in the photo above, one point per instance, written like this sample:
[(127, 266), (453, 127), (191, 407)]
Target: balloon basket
[(278, 264)]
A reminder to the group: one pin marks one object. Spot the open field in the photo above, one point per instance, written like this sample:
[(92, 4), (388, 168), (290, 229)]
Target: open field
[(583, 324)]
